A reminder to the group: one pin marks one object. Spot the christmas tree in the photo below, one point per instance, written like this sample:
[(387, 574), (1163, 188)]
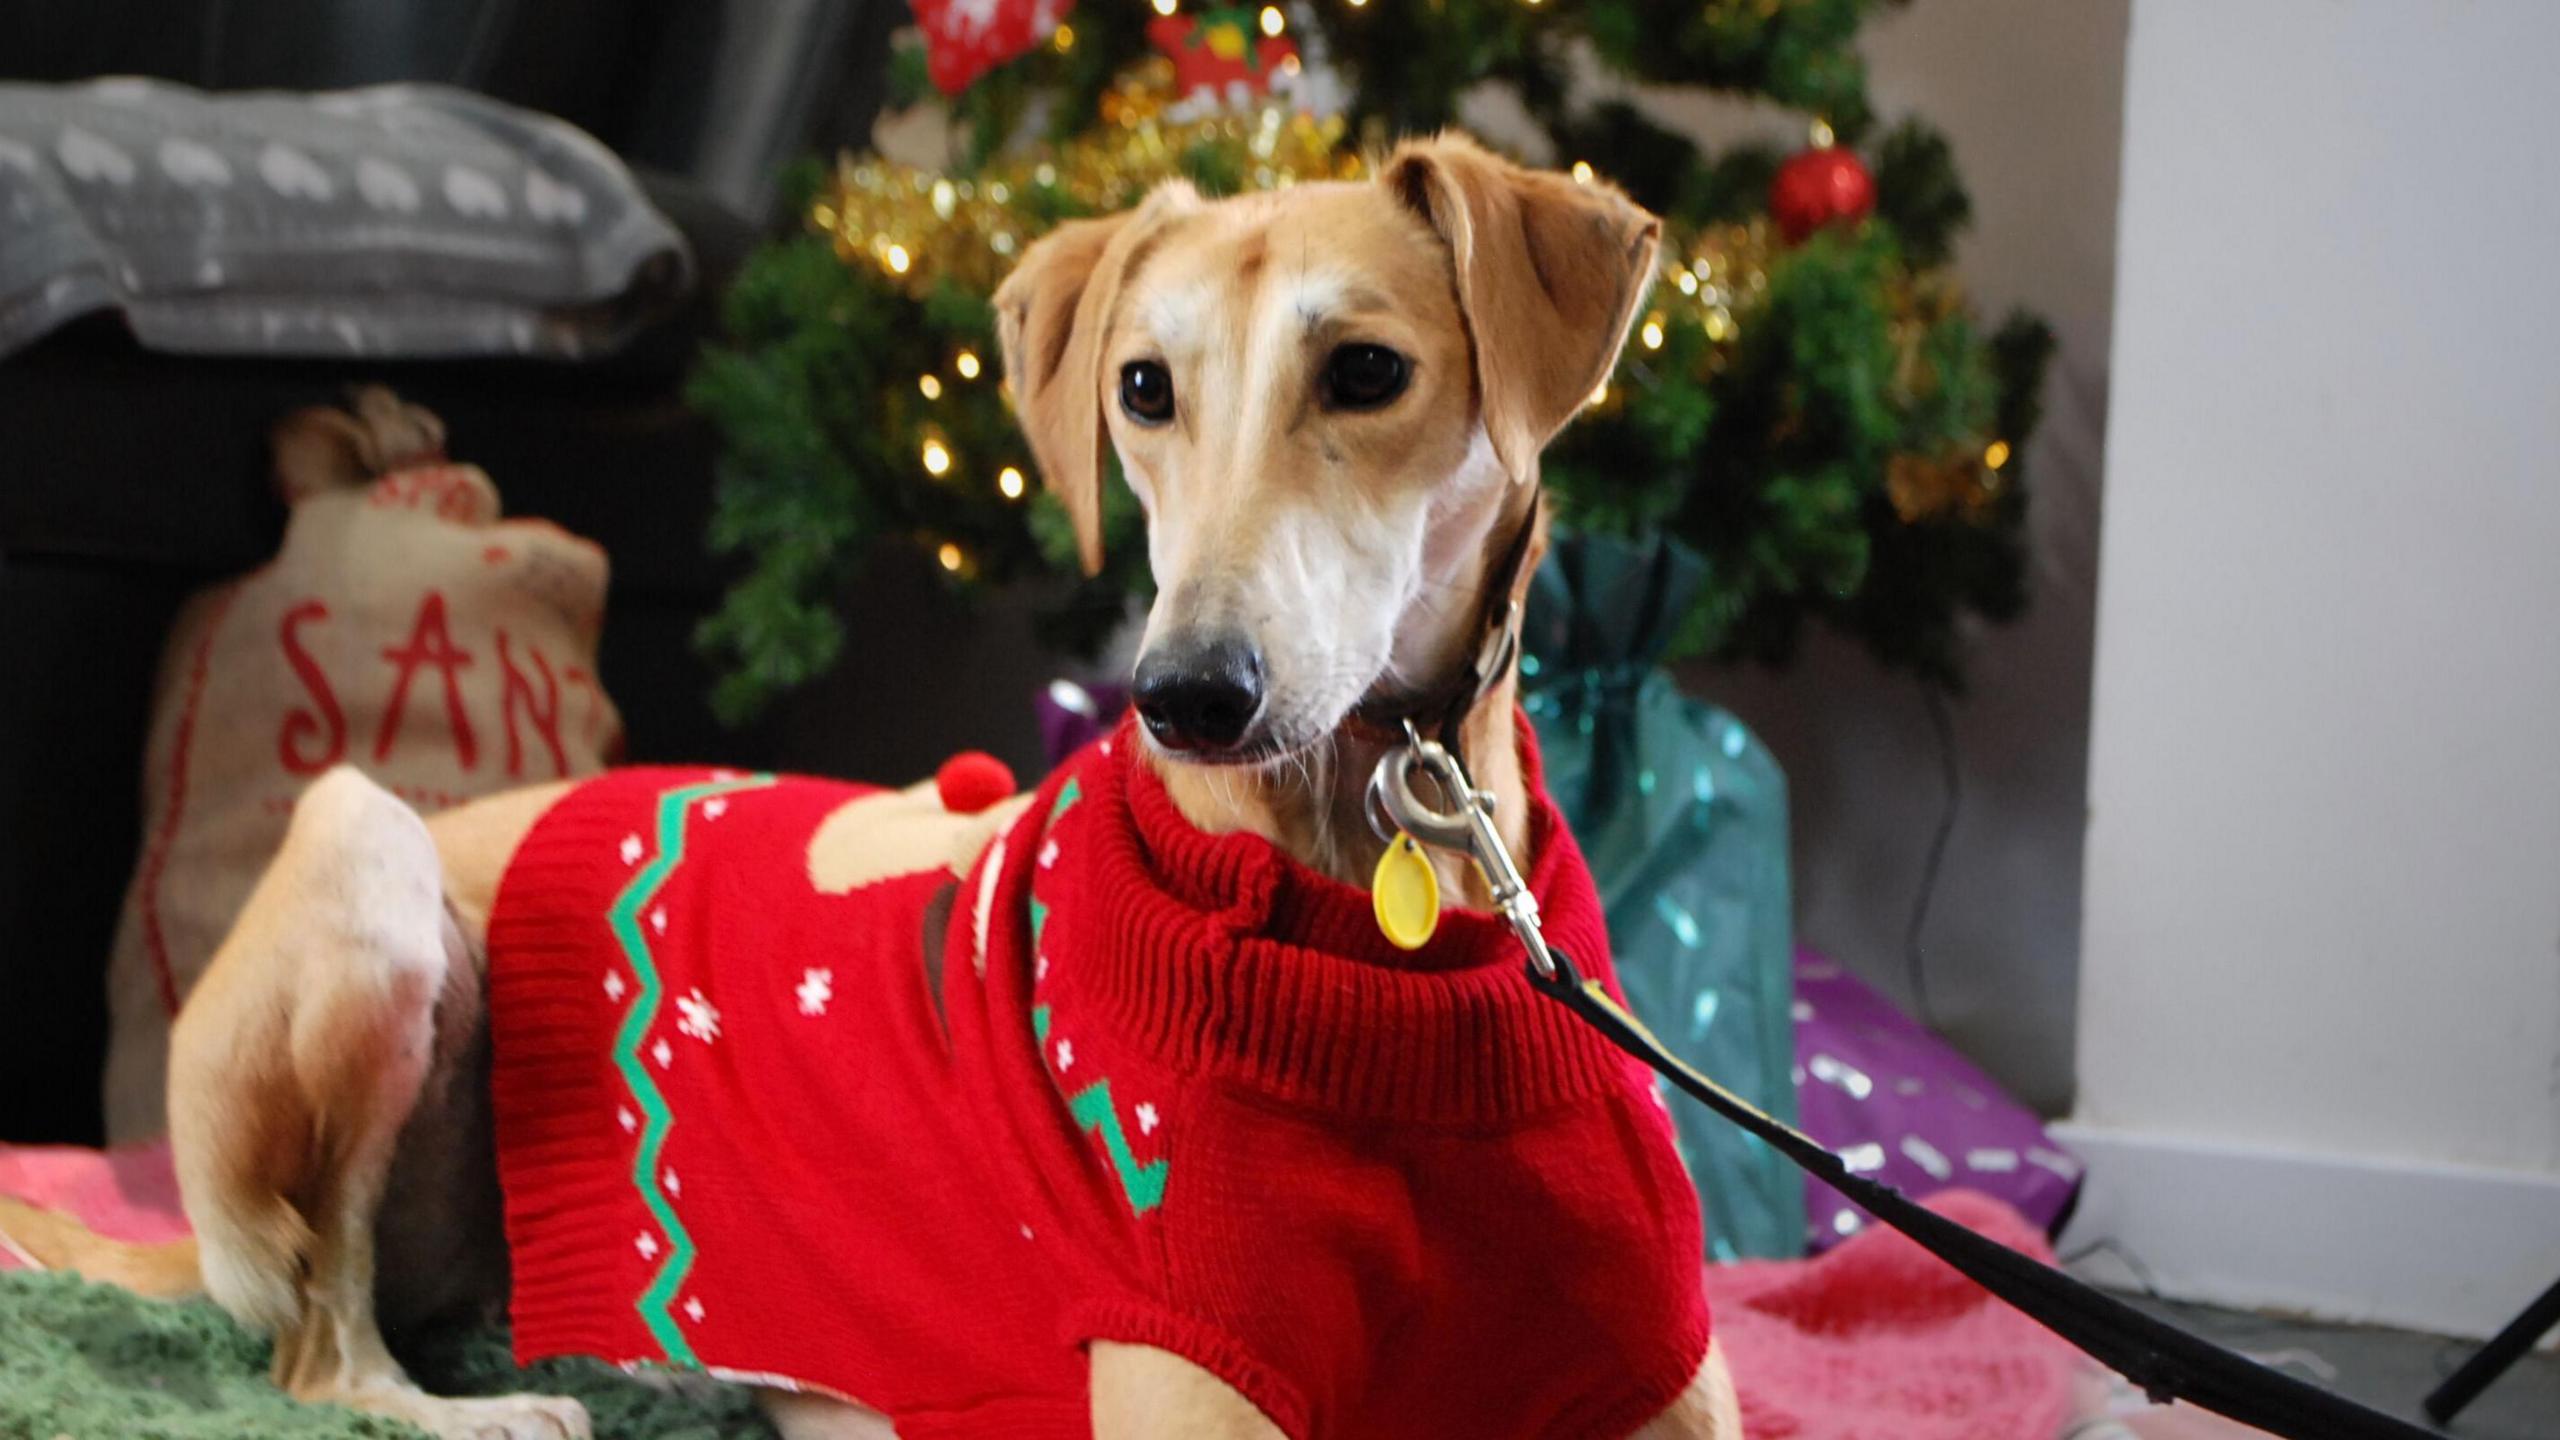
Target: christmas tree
[(1807, 402)]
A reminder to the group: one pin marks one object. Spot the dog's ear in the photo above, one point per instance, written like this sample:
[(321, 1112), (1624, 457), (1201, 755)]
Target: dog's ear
[(1051, 313), (1550, 272)]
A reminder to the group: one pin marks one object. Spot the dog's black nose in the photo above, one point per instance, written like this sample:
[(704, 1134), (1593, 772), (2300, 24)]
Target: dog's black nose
[(1199, 693)]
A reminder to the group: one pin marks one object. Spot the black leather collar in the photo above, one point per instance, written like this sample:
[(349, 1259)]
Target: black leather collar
[(1441, 710)]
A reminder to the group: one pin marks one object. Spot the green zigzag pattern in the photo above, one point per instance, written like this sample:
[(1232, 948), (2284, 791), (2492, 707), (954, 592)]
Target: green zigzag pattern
[(657, 1119), (1092, 1108), (1068, 794), (1143, 1184)]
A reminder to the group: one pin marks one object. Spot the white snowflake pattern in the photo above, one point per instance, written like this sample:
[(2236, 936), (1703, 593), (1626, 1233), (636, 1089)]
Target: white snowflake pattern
[(1066, 1055), (629, 1121), (1147, 1118), (693, 1309), (1039, 967), (674, 1186), (631, 849), (663, 1053), (658, 919), (698, 1017), (647, 1245), (715, 807), (1049, 853), (816, 988), (613, 986), (1026, 1232)]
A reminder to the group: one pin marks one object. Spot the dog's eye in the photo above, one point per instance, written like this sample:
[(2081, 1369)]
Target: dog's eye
[(1146, 391), (1364, 377)]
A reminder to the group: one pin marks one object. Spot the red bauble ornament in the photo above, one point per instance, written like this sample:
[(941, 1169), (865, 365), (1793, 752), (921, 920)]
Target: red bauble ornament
[(971, 781), (1817, 188), (963, 39)]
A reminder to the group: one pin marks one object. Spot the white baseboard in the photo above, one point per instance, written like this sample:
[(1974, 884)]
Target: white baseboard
[(2439, 1248)]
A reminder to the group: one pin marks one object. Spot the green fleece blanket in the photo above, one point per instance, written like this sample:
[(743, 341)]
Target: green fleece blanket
[(86, 1362)]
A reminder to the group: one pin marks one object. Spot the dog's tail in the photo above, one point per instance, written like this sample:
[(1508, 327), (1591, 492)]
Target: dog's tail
[(54, 1241)]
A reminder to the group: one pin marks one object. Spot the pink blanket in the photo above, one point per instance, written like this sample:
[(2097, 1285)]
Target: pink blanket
[(129, 1193), (1874, 1340), (1877, 1340)]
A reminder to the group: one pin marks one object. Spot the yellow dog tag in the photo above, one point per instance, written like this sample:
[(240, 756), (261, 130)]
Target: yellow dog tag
[(1406, 893)]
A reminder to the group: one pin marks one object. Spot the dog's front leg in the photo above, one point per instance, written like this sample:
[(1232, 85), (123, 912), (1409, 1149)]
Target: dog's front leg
[(1142, 1393), (1707, 1410), (798, 1416)]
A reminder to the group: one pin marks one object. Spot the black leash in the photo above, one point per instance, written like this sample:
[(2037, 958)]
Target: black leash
[(2167, 1362)]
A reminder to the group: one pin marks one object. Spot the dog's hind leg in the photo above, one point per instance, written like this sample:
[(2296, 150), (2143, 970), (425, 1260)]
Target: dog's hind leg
[(293, 1068)]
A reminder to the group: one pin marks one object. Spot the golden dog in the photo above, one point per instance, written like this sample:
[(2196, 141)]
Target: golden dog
[(1330, 401)]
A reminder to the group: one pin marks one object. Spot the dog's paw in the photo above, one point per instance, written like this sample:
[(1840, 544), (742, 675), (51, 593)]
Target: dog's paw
[(498, 1417)]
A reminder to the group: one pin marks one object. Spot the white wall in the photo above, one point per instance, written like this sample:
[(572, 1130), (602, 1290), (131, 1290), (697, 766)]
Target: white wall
[(2323, 867), (2030, 94)]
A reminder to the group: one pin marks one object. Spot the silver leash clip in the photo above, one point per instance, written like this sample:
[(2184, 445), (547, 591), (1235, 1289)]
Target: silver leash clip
[(1467, 829)]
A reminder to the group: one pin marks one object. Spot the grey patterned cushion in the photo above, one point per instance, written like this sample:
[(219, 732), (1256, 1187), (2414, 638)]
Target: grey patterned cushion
[(398, 221)]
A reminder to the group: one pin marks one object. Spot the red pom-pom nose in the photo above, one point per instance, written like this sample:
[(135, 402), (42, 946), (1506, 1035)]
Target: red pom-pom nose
[(971, 781)]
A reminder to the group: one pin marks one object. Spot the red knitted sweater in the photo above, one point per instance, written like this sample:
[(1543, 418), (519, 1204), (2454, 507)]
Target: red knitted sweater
[(1155, 1086)]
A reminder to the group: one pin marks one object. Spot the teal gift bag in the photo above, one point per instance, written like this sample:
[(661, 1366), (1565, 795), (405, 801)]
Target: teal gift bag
[(1683, 816)]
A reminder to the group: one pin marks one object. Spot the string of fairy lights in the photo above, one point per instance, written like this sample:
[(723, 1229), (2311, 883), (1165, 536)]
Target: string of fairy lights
[(918, 229)]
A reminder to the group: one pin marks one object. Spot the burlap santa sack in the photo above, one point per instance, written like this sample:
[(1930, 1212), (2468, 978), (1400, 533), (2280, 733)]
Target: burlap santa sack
[(403, 629)]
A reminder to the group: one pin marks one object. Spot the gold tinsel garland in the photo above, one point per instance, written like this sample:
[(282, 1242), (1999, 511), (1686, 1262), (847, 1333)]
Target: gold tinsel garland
[(920, 227)]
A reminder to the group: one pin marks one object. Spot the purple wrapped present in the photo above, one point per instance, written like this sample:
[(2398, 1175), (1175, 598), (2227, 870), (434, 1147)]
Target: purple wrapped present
[(1899, 1104), (1073, 715)]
